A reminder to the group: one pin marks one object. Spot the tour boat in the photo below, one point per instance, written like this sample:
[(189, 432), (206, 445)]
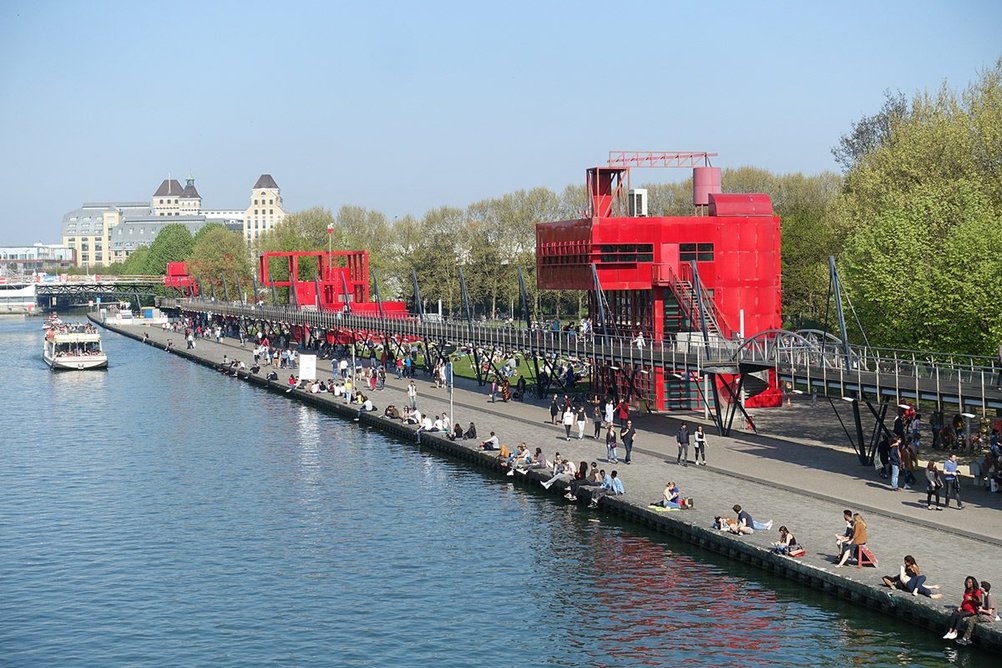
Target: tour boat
[(74, 349)]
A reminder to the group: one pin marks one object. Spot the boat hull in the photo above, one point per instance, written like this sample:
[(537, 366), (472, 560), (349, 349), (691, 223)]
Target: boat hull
[(77, 363)]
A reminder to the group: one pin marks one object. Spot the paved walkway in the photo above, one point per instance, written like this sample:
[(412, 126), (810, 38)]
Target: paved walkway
[(802, 484)]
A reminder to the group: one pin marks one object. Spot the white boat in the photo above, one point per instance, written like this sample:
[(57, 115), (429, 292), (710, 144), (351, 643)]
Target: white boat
[(74, 349)]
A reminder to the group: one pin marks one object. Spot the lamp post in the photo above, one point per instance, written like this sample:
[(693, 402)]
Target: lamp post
[(330, 237)]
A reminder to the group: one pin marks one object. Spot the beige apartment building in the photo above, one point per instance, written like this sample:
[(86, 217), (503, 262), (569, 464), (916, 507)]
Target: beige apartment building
[(101, 233), (265, 210)]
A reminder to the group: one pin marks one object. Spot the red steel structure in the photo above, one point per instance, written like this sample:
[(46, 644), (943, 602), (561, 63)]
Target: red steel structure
[(342, 281), (644, 266)]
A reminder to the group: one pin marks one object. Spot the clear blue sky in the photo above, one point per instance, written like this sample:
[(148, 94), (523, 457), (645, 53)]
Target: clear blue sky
[(405, 106)]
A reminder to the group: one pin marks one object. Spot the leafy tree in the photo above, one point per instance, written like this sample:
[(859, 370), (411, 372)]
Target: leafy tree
[(221, 255), (922, 217), (138, 262), (173, 244), (871, 132), (205, 229)]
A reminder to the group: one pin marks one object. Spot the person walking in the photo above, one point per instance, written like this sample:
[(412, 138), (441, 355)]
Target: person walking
[(699, 447), (934, 483), (568, 421), (610, 445), (627, 435), (597, 418), (952, 481), (554, 410), (582, 418), (682, 439)]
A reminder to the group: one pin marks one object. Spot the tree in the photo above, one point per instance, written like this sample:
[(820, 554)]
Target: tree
[(871, 132), (138, 262), (221, 255), (922, 217), (173, 244)]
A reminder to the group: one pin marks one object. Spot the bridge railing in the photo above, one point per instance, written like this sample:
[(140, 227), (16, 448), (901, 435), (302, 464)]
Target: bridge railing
[(893, 371)]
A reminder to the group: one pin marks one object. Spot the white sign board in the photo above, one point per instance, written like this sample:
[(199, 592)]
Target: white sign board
[(307, 367)]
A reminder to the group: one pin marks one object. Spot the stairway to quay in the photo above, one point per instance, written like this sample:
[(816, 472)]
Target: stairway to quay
[(789, 472)]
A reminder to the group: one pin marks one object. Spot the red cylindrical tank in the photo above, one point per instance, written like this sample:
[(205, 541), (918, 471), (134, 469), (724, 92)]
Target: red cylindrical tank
[(705, 181)]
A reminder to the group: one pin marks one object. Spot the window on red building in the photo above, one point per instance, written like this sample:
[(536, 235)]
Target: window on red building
[(695, 252)]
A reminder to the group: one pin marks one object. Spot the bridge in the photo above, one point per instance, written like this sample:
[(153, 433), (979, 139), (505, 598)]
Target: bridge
[(871, 381), (81, 289)]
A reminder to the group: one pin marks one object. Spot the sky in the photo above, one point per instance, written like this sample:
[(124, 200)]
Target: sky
[(405, 106)]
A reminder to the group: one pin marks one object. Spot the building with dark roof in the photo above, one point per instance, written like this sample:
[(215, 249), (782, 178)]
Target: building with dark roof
[(265, 210), (100, 233)]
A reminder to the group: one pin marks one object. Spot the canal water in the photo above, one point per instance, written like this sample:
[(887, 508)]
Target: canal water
[(159, 513)]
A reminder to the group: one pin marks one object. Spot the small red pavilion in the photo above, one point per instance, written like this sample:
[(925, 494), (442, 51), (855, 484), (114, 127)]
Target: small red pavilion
[(654, 271)]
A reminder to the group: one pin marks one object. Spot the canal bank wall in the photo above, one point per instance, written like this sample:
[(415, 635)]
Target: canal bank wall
[(714, 490)]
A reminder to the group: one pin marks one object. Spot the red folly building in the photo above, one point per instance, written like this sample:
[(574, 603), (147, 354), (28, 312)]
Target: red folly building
[(714, 276)]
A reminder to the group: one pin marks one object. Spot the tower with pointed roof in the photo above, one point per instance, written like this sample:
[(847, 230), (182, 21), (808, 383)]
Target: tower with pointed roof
[(166, 201), (265, 210), (190, 201)]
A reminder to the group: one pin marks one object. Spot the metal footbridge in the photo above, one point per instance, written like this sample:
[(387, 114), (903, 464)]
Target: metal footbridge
[(806, 361)]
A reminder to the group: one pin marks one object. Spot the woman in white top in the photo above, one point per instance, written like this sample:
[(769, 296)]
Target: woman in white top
[(568, 421), (700, 448)]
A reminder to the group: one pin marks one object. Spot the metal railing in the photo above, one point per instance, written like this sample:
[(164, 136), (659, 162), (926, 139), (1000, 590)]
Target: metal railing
[(819, 362)]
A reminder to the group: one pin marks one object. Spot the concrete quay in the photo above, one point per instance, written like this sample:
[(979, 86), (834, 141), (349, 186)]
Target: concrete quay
[(800, 483)]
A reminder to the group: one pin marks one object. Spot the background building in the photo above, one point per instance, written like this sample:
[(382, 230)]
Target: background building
[(18, 263), (100, 233), (265, 210)]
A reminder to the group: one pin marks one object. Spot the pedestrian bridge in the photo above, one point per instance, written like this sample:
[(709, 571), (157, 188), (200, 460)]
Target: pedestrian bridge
[(811, 361)]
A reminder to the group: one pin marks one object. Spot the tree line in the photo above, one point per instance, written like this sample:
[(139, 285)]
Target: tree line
[(913, 220)]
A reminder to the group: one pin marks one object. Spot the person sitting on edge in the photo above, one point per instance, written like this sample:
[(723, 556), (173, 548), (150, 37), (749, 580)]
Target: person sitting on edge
[(517, 460), (491, 443), (602, 490), (457, 433), (391, 412), (787, 542), (415, 417), (910, 579), (670, 497), (969, 607), (842, 540), (987, 613), (617, 484), (746, 524), (292, 381), (563, 471), (471, 432), (856, 543), (437, 424), (271, 377), (592, 479)]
